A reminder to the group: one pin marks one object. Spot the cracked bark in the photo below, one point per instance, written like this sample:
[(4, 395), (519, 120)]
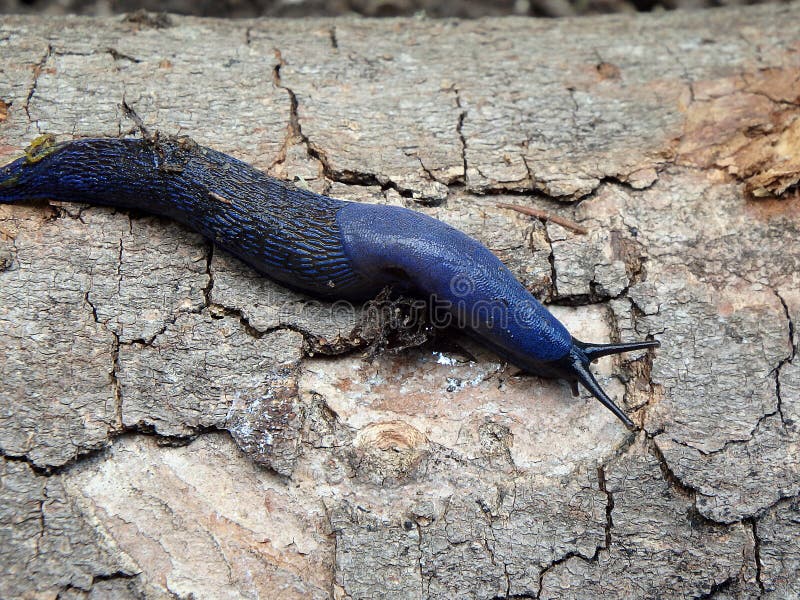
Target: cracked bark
[(131, 346)]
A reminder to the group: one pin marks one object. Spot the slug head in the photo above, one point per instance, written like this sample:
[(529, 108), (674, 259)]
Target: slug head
[(574, 367)]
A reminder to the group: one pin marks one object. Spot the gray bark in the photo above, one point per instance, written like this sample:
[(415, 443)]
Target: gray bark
[(172, 424)]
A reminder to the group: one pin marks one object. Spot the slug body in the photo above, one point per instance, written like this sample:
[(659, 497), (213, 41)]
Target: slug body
[(313, 243)]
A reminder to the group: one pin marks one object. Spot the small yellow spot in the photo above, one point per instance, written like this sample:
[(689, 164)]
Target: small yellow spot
[(41, 147)]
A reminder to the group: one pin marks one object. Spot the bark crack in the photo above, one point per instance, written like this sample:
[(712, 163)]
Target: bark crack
[(42, 519), (776, 372), (601, 482), (717, 588), (671, 478), (687, 78), (422, 592), (551, 258), (574, 111), (460, 130), (210, 274), (113, 372), (115, 380), (117, 56), (95, 580), (785, 360), (37, 71), (296, 135), (23, 458), (757, 553)]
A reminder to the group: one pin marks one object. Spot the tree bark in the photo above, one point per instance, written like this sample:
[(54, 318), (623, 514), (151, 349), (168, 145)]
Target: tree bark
[(174, 425)]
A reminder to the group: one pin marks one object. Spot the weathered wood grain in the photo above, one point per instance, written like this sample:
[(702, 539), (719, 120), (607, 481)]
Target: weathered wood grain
[(130, 345)]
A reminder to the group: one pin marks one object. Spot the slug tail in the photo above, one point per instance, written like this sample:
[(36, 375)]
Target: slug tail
[(16, 181), (10, 188)]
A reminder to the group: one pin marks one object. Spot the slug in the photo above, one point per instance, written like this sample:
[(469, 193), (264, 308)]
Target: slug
[(313, 243)]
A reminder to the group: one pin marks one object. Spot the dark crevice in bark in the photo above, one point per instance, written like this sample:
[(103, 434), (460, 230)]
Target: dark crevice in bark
[(422, 591), (718, 588), (574, 111), (209, 273), (50, 470), (555, 563), (591, 299), (671, 478), (727, 444), (216, 311), (42, 519), (23, 458), (115, 366), (129, 112), (361, 178), (601, 480), (219, 311), (117, 55), (423, 200), (37, 70), (787, 359), (764, 94), (344, 176), (776, 372), (691, 493), (609, 180), (8, 258), (115, 384), (551, 258), (529, 171), (636, 372), (95, 580), (757, 552), (460, 130)]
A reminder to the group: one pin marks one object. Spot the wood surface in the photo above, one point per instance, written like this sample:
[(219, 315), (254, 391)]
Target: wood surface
[(172, 425)]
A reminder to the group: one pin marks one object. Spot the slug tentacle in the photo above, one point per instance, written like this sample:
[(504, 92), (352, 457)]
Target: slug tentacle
[(574, 367), (595, 351), (314, 243)]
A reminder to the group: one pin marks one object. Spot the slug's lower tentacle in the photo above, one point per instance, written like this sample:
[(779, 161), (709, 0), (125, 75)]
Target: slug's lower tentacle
[(574, 367), (314, 243)]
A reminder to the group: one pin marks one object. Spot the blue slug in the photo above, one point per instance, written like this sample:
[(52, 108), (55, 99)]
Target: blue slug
[(313, 243)]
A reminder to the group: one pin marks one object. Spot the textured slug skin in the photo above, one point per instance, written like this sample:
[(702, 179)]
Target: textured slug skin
[(307, 241), (280, 230), (313, 243)]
